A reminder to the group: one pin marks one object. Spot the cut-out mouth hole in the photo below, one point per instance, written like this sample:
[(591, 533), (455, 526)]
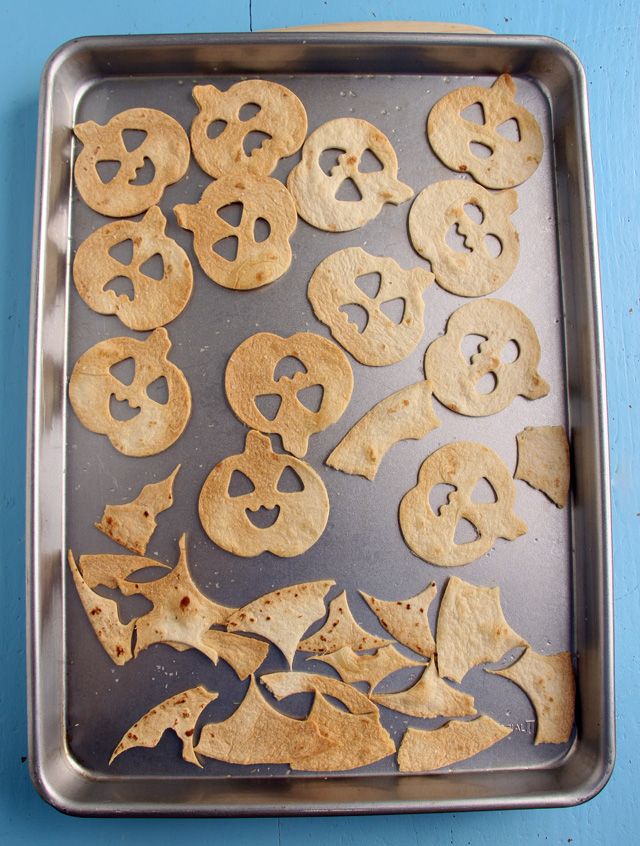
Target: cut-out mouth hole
[(158, 390), (133, 138), (439, 496), (289, 481), (122, 251), (254, 140), (153, 267), (483, 492), (474, 212), (263, 518), (471, 345), (455, 240), (369, 162), (474, 114), (107, 169), (493, 245), (487, 384), (122, 286), (357, 315), (465, 532), (311, 397), (287, 368), (231, 213), (227, 248), (261, 230), (394, 309), (121, 410), (268, 405), (510, 129), (216, 128), (124, 371), (248, 111), (369, 284), (240, 485), (328, 159), (480, 151), (145, 174), (129, 607), (348, 192), (510, 352)]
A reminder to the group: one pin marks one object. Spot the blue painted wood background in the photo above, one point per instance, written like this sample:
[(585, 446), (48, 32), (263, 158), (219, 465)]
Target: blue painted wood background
[(605, 35)]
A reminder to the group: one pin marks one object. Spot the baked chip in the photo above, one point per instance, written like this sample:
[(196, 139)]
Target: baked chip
[(340, 630), (243, 654), (426, 750), (543, 461), (429, 697), (108, 570), (354, 667), (406, 619)]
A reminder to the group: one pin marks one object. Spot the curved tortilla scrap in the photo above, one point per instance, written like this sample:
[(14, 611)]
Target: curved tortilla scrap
[(543, 461), (340, 630), (471, 629), (132, 523), (408, 413), (243, 654), (549, 683), (108, 570), (286, 684), (429, 697), (354, 667), (180, 713), (423, 751), (102, 613), (406, 619)]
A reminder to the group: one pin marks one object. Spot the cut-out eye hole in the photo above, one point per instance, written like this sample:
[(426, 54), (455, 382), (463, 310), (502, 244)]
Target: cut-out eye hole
[(145, 174), (227, 248), (240, 485), (263, 518), (470, 345), (474, 212), (254, 140), (510, 352), (122, 286), (287, 368), (124, 370), (216, 128), (369, 162), (348, 192), (122, 251), (133, 138), (311, 397), (483, 492), (487, 384), (357, 315), (493, 245), (248, 111), (107, 169), (328, 159), (158, 390), (474, 114), (129, 607), (455, 240), (439, 496), (369, 284), (121, 410), (465, 532), (480, 151), (510, 129), (395, 309), (268, 405), (231, 213), (261, 230), (153, 267), (289, 481)]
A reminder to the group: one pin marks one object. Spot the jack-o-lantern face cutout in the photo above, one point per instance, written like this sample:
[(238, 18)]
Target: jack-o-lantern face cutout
[(241, 229), (300, 514), (335, 287), (143, 168), (155, 425), (317, 190), (503, 365), (158, 298), (252, 110), (467, 235), (482, 494), (296, 404), (484, 132)]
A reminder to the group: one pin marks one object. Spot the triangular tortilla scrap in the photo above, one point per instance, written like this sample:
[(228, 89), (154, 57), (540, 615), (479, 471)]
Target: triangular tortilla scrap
[(406, 414), (340, 630), (132, 523), (283, 615), (353, 667), (243, 654), (424, 750), (429, 697), (471, 629), (108, 570), (543, 461), (549, 683), (102, 613), (258, 734), (406, 619), (180, 713)]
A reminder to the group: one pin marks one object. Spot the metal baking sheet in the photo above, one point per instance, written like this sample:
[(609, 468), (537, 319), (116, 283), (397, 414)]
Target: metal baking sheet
[(554, 580)]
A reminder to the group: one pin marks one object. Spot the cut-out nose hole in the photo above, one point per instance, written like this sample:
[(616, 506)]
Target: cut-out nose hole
[(227, 248), (268, 405), (474, 114), (122, 286), (263, 518), (395, 309), (145, 174), (493, 245), (439, 496), (121, 410), (287, 368), (254, 140), (483, 492), (289, 481), (369, 284), (124, 370), (487, 384), (357, 315), (455, 240), (249, 110), (471, 345), (132, 138), (153, 267), (328, 159), (348, 192), (261, 230), (480, 151), (474, 212), (216, 128), (158, 390), (129, 607), (122, 251), (311, 397), (510, 352), (231, 213), (465, 532), (107, 169), (240, 485), (369, 162), (510, 129)]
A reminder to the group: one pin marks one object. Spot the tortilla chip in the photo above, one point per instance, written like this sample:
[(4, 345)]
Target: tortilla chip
[(180, 713), (424, 750), (549, 683), (429, 697), (283, 615), (133, 523), (286, 684), (108, 570), (354, 667), (406, 619), (543, 461), (471, 629), (243, 654), (340, 630)]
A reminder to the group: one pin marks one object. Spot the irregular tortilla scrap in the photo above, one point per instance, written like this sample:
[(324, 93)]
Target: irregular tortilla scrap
[(408, 413), (471, 629), (406, 619), (243, 654), (549, 683), (132, 524), (179, 713), (109, 569), (429, 697), (424, 750), (543, 461), (353, 667), (286, 684), (283, 615), (340, 630)]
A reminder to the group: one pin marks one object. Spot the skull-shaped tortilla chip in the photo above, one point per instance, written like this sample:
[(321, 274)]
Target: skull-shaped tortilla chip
[(334, 287), (158, 296), (429, 697), (431, 749), (164, 149), (461, 384), (340, 630), (316, 191), (300, 515), (248, 252), (431, 534), (484, 149), (489, 244), (156, 425), (268, 111), (253, 375)]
